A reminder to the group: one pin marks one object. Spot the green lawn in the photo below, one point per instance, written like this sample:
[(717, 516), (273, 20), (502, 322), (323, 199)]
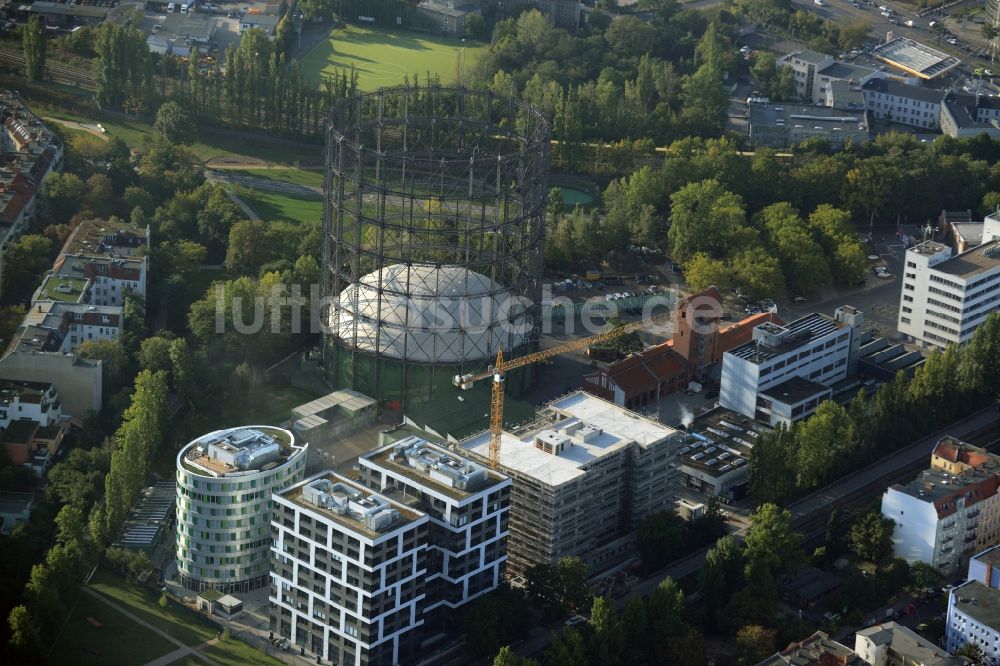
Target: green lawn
[(276, 206), (210, 146), (381, 57), (263, 405), (179, 622), (81, 642), (307, 177)]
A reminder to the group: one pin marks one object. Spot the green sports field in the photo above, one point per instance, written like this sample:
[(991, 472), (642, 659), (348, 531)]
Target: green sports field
[(382, 57)]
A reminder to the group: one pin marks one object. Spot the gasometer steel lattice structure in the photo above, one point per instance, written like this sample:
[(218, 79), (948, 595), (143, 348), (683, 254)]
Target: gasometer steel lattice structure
[(433, 237)]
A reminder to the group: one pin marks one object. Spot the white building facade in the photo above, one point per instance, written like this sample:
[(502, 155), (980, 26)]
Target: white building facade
[(469, 511), (973, 617), (814, 348), (224, 485), (949, 511), (898, 102), (348, 570), (945, 297)]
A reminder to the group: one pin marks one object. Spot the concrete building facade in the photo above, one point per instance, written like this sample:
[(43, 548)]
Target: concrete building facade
[(784, 372), (348, 572), (224, 485), (468, 507), (583, 473), (950, 510), (974, 608), (945, 297), (898, 102)]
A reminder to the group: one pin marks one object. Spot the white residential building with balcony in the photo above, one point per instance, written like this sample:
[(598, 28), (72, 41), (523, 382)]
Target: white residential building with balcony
[(348, 572), (469, 510), (945, 296)]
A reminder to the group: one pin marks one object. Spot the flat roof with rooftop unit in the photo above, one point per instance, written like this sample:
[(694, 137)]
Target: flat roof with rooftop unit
[(63, 289), (240, 451), (350, 505), (770, 340), (435, 467)]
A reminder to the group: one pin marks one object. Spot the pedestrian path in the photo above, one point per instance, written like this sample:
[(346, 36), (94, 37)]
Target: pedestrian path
[(181, 651)]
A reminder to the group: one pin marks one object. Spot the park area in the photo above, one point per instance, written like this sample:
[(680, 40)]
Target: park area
[(383, 57), (123, 624)]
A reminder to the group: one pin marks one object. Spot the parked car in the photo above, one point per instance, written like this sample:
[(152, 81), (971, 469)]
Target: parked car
[(575, 620), (799, 299)]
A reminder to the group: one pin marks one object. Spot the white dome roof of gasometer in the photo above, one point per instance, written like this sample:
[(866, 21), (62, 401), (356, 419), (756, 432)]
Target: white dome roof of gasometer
[(425, 314)]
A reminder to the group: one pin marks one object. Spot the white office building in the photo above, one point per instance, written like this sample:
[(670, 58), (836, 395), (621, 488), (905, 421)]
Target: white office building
[(348, 571), (469, 509), (785, 372), (946, 296), (950, 510), (898, 102), (974, 608), (815, 72), (224, 485)]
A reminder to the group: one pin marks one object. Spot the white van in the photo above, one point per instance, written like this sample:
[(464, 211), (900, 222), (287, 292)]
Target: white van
[(184, 8), (170, 8)]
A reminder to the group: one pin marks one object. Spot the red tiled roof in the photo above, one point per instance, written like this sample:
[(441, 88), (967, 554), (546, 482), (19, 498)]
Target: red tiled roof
[(952, 453), (742, 331), (973, 494), (641, 372)]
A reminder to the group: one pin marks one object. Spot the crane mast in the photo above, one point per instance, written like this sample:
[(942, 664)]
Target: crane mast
[(499, 371)]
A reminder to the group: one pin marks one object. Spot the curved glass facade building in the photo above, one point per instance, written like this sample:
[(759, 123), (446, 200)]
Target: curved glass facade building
[(224, 485)]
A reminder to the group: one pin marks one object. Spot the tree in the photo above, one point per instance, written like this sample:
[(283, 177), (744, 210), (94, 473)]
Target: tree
[(250, 247), (660, 538), (973, 653), (871, 537), (27, 259), (316, 10), (112, 356), (771, 542), (494, 620), (606, 641), (755, 643), (705, 217), (33, 41), (154, 354), (507, 657), (571, 583), (628, 343), (174, 124), (721, 575), (23, 630), (567, 649), (702, 272), (757, 273)]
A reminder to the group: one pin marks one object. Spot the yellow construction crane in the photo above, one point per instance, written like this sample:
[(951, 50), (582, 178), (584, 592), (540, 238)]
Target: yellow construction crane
[(499, 371)]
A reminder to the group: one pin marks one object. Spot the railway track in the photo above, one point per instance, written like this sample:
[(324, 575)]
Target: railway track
[(56, 72)]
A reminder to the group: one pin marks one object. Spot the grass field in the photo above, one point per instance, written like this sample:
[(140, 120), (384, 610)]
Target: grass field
[(307, 177), (82, 642), (382, 57), (209, 147), (276, 206)]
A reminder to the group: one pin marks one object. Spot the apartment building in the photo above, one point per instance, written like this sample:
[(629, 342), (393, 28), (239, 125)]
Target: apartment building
[(974, 608), (30, 151), (816, 650), (348, 572), (946, 296), (894, 101), (32, 425), (468, 507), (892, 644), (815, 72), (784, 372), (76, 323), (950, 510), (584, 472), (224, 485), (113, 258), (964, 115)]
